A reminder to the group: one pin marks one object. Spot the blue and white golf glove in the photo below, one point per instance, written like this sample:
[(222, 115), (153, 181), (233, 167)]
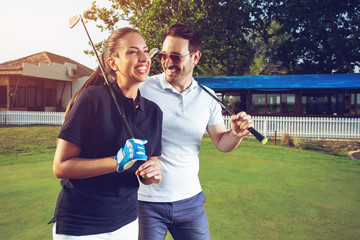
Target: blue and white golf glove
[(133, 150)]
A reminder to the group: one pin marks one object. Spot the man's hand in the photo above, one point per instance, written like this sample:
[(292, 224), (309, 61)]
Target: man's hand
[(150, 171), (133, 150), (240, 123)]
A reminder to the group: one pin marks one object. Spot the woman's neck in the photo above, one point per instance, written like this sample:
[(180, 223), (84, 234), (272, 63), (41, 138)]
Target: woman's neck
[(130, 90)]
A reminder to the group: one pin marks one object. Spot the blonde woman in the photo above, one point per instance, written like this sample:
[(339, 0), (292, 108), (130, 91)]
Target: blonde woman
[(94, 157)]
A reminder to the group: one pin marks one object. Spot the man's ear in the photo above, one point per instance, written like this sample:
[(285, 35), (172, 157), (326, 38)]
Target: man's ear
[(112, 64), (197, 56)]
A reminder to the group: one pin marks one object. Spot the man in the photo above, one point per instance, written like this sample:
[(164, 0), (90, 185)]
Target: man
[(176, 204)]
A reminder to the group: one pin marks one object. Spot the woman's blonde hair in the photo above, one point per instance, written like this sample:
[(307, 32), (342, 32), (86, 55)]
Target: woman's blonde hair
[(110, 50)]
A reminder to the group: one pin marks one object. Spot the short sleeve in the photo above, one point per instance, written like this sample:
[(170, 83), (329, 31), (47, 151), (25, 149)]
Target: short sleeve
[(77, 125), (215, 113)]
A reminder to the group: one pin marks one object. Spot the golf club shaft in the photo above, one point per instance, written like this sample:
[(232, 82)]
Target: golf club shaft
[(119, 108), (256, 134)]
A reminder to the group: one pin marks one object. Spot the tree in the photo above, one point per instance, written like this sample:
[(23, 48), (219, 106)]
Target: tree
[(223, 25), (266, 42), (241, 36), (323, 34)]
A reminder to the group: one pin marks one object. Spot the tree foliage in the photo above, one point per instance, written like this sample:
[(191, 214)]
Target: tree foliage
[(323, 35), (223, 25), (242, 36), (266, 42)]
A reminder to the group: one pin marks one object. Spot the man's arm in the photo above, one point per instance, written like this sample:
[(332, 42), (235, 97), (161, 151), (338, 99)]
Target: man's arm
[(227, 141)]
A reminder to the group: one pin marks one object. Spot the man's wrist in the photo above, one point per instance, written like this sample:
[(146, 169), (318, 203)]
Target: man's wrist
[(231, 132)]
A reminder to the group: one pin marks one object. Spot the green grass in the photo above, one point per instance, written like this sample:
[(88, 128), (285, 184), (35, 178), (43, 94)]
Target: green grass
[(26, 142), (27, 196), (275, 192), (255, 192)]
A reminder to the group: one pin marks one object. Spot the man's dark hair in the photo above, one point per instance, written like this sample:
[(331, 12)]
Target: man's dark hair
[(187, 32)]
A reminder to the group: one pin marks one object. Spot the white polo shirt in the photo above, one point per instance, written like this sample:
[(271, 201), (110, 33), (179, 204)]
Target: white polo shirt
[(185, 117)]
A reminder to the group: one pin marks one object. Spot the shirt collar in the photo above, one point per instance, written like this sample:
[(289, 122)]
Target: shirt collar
[(124, 100), (166, 85)]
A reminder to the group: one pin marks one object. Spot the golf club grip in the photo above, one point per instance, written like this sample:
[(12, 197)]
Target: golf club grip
[(125, 123), (256, 134), (127, 127)]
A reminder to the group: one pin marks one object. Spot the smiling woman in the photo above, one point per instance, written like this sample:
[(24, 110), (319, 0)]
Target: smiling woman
[(98, 161), (131, 62), (72, 22)]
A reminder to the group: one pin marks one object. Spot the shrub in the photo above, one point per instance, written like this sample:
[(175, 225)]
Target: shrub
[(286, 140), (299, 143)]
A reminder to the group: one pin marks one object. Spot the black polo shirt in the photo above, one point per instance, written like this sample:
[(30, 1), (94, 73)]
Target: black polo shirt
[(107, 202)]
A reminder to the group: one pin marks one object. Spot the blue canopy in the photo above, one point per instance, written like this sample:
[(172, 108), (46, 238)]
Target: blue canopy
[(282, 82)]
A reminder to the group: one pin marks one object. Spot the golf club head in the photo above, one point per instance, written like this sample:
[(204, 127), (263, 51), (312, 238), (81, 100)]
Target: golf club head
[(74, 20), (153, 52)]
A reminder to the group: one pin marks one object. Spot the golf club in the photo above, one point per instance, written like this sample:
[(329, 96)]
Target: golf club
[(153, 52), (72, 22), (256, 134)]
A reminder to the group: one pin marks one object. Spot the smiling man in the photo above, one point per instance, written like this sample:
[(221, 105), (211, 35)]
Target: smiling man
[(176, 204)]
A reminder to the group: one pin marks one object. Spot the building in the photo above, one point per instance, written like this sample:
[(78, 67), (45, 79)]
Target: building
[(273, 69), (289, 95), (40, 82)]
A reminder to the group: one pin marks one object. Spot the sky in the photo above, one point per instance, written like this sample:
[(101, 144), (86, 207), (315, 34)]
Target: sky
[(32, 26)]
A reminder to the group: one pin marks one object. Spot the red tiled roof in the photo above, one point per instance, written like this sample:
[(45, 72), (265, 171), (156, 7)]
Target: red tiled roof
[(47, 58)]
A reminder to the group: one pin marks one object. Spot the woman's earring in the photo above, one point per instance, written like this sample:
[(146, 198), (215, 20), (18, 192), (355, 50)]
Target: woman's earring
[(116, 70)]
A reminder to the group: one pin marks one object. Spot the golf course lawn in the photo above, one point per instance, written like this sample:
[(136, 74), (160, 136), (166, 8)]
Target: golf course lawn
[(255, 192)]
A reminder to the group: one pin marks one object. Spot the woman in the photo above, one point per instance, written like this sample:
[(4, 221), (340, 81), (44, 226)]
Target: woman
[(99, 190)]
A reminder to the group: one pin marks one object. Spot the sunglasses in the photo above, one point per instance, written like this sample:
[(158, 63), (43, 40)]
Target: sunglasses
[(175, 59)]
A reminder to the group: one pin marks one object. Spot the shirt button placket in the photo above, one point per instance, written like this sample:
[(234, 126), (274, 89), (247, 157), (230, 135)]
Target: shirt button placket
[(181, 105)]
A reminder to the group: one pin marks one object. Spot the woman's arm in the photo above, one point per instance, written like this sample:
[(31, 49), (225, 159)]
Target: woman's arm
[(67, 163)]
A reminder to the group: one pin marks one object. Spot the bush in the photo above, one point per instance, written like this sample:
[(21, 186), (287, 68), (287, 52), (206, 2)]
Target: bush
[(299, 143), (286, 140)]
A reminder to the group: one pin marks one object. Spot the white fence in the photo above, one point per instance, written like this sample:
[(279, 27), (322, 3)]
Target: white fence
[(306, 127), (27, 118)]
